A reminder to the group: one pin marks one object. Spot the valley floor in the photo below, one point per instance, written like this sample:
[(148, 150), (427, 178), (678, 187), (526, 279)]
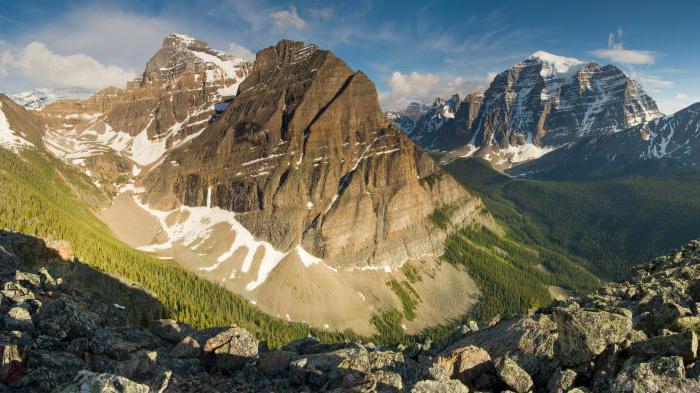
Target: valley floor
[(296, 287)]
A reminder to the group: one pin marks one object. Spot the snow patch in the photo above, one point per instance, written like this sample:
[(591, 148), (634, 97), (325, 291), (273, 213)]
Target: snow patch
[(8, 137)]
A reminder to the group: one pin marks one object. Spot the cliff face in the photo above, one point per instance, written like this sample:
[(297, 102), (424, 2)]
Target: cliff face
[(304, 156)]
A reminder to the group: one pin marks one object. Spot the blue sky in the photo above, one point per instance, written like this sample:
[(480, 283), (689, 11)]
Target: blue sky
[(412, 50)]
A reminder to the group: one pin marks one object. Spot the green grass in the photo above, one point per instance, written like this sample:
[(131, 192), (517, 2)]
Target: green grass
[(412, 274), (408, 296), (36, 199), (613, 224)]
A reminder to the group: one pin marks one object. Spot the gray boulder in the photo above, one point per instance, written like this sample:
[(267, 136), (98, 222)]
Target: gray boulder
[(665, 374), (684, 345), (452, 386), (561, 381), (232, 348), (89, 382), (18, 318), (170, 330), (513, 375), (188, 348), (585, 334)]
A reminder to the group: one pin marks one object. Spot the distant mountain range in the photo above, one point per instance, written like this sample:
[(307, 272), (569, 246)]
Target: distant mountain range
[(539, 105)]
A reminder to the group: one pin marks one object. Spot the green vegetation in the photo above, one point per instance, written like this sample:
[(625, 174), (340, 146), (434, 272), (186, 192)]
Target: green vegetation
[(412, 274), (613, 224), (512, 276), (408, 296), (36, 200), (442, 217), (389, 329)]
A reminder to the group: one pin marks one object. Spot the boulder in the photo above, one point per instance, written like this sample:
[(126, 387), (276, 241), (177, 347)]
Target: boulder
[(274, 362), (16, 292), (513, 375), (452, 386), (464, 363), (30, 280), (584, 334), (684, 345), (666, 374), (90, 382), (188, 348), (561, 381), (64, 314), (11, 364), (18, 318), (232, 348), (170, 330), (138, 364)]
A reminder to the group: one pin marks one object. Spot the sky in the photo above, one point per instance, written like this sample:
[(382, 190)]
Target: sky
[(412, 50)]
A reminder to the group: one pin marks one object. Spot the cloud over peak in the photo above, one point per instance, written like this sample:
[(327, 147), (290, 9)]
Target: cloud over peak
[(617, 53), (46, 68)]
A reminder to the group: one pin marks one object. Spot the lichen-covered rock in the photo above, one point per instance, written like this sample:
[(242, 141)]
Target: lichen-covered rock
[(452, 386), (561, 381), (585, 334), (187, 348), (11, 364), (513, 375), (666, 374), (232, 348), (684, 345), (63, 314), (89, 382), (465, 363), (170, 330), (18, 318)]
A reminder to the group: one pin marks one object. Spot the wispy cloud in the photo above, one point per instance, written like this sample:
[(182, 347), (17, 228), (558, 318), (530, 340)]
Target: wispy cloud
[(617, 53), (422, 87), (285, 20), (240, 51), (676, 102)]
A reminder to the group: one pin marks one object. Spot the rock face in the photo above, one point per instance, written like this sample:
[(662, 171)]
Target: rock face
[(19, 128), (606, 341), (540, 104), (447, 124), (670, 141), (304, 156), (38, 98), (183, 85)]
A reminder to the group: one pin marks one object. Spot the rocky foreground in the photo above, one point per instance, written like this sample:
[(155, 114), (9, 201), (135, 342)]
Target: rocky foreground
[(634, 336)]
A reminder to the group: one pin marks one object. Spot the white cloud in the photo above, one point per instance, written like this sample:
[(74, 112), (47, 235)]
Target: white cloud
[(652, 83), (114, 36), (422, 87), (617, 53), (285, 20), (44, 67), (240, 51), (674, 103)]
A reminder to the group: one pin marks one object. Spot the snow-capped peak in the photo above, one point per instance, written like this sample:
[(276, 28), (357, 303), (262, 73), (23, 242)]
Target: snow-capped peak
[(39, 98), (553, 64), (183, 38)]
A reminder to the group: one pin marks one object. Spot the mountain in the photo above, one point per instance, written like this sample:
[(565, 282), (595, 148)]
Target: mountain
[(447, 123), (19, 128), (303, 156), (39, 98), (667, 142), (119, 131), (406, 118), (541, 104)]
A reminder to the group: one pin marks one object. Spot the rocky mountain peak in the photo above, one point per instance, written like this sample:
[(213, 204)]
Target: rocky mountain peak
[(552, 64), (305, 157), (540, 104)]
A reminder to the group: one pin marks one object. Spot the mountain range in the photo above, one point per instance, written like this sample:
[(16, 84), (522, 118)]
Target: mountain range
[(539, 105), (279, 179)]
